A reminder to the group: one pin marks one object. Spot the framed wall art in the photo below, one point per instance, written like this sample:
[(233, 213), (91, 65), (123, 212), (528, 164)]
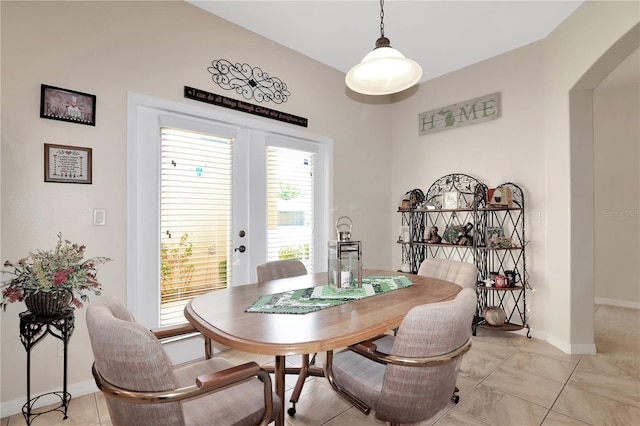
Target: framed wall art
[(67, 105), (67, 164)]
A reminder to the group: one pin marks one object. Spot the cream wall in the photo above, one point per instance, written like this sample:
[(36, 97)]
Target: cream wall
[(617, 194), (109, 49), (570, 51), (509, 149), (529, 145)]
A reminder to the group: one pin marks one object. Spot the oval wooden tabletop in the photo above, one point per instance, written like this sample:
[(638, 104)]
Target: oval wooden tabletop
[(221, 315)]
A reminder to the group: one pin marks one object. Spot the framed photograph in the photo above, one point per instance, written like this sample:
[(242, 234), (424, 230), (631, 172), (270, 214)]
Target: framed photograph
[(67, 164), (450, 200), (494, 234), (495, 238), (67, 105)]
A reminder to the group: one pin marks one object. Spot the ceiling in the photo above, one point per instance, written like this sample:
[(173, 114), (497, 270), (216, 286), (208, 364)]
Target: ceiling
[(442, 36)]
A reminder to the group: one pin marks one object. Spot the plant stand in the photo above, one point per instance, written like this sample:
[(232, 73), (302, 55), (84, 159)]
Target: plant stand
[(32, 330)]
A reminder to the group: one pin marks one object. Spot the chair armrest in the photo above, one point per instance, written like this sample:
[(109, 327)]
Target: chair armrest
[(369, 350), (173, 331), (366, 346), (219, 379), (203, 384), (230, 376)]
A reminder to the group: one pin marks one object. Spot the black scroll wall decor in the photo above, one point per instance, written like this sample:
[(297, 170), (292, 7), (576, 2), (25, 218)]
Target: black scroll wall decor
[(250, 82)]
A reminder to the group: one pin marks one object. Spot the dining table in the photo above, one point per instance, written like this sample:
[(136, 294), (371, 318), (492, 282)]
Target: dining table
[(222, 316)]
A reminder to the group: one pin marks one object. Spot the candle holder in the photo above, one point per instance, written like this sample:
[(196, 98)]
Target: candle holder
[(345, 258)]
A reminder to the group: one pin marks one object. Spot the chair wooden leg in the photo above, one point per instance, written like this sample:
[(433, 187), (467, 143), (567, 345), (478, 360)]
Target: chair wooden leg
[(302, 376), (208, 349), (307, 369)]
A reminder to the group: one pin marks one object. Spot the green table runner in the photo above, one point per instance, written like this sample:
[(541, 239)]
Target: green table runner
[(313, 299)]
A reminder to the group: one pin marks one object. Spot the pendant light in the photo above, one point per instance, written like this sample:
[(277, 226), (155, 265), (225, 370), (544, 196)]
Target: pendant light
[(384, 70)]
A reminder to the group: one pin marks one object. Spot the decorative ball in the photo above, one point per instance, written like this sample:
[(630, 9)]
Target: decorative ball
[(494, 315)]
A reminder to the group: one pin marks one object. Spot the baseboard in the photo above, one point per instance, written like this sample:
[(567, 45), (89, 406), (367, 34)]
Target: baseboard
[(568, 348), (582, 348), (9, 408), (619, 303), (572, 348)]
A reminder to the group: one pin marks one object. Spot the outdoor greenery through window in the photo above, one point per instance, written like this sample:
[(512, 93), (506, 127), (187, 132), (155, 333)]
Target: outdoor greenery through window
[(195, 218), (290, 194)]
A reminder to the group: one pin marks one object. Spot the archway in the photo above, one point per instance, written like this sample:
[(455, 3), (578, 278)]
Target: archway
[(582, 179)]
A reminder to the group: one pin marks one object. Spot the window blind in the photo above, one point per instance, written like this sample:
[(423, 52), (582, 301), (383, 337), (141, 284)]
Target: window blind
[(290, 195), (195, 218)]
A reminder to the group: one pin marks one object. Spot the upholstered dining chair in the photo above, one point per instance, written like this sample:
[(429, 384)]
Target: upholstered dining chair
[(277, 269), (407, 378), (141, 387), (462, 273), (274, 270)]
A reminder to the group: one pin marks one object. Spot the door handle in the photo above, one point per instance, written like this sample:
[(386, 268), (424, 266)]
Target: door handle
[(241, 249)]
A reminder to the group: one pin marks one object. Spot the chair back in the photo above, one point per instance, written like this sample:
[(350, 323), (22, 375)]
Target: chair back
[(130, 356), (411, 394), (462, 273), (277, 269)]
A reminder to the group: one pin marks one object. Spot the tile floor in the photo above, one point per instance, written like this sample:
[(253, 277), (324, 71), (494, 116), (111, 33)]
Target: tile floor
[(505, 379)]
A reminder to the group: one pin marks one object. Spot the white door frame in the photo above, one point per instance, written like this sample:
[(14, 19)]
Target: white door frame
[(143, 172)]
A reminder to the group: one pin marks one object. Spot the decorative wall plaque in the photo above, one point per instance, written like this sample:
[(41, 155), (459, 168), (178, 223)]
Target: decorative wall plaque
[(465, 113), (238, 105), (67, 105), (69, 164), (250, 82)]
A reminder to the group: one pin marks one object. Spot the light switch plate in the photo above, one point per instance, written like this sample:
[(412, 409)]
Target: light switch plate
[(99, 217)]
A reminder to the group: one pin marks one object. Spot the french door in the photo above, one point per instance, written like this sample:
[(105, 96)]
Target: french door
[(212, 195)]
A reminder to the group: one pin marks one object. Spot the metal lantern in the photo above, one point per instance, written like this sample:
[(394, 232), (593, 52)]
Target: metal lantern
[(345, 258)]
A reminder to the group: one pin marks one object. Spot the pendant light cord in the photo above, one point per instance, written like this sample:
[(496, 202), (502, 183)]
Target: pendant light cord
[(381, 18)]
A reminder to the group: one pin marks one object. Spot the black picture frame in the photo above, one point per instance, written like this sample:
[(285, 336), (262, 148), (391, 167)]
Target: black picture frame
[(67, 105), (67, 164)]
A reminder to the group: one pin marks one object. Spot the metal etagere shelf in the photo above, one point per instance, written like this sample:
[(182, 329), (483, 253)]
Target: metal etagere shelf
[(483, 222)]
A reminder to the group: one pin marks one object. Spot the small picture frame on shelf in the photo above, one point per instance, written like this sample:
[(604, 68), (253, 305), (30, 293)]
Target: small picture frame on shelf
[(494, 235), (500, 198), (67, 164), (405, 234), (496, 239), (450, 200)]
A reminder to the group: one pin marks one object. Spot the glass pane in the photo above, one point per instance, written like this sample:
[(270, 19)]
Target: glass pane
[(290, 195), (195, 218)]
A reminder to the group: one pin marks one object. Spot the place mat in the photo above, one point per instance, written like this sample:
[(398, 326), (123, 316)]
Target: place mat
[(313, 299)]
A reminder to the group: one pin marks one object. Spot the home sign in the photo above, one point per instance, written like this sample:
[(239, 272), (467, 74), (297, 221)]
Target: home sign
[(473, 111)]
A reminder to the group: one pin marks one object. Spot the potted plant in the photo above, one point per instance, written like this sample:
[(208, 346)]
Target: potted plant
[(49, 281)]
